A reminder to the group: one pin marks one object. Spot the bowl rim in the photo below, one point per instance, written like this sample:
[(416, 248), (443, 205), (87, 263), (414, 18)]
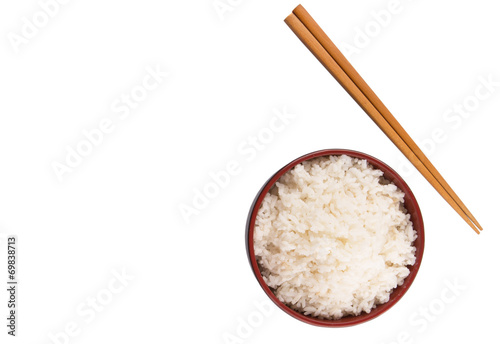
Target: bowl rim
[(416, 217)]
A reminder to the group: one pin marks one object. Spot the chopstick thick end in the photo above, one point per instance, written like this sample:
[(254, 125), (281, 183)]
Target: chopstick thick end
[(298, 9), (289, 18)]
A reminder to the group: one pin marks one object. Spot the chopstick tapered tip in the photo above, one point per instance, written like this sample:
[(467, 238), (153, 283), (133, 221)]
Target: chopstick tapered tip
[(473, 225), (473, 219)]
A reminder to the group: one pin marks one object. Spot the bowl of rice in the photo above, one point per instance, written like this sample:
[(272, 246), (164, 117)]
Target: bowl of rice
[(335, 238)]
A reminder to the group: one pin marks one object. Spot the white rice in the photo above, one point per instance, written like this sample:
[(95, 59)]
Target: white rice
[(332, 237)]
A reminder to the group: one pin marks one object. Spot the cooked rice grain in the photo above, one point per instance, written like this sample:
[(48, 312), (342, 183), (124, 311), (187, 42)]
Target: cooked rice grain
[(332, 237)]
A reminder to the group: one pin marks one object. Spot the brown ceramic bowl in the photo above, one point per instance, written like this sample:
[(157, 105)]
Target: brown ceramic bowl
[(410, 204)]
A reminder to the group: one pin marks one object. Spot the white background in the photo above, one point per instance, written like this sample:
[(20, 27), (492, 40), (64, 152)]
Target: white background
[(118, 210)]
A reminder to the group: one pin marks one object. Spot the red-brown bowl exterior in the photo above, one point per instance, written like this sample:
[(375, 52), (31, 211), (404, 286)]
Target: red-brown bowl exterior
[(410, 204)]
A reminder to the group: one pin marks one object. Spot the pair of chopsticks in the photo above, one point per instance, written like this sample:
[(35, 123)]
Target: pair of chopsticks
[(314, 38)]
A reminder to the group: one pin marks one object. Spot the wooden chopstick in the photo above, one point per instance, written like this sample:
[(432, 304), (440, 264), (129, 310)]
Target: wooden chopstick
[(311, 25), (332, 59)]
